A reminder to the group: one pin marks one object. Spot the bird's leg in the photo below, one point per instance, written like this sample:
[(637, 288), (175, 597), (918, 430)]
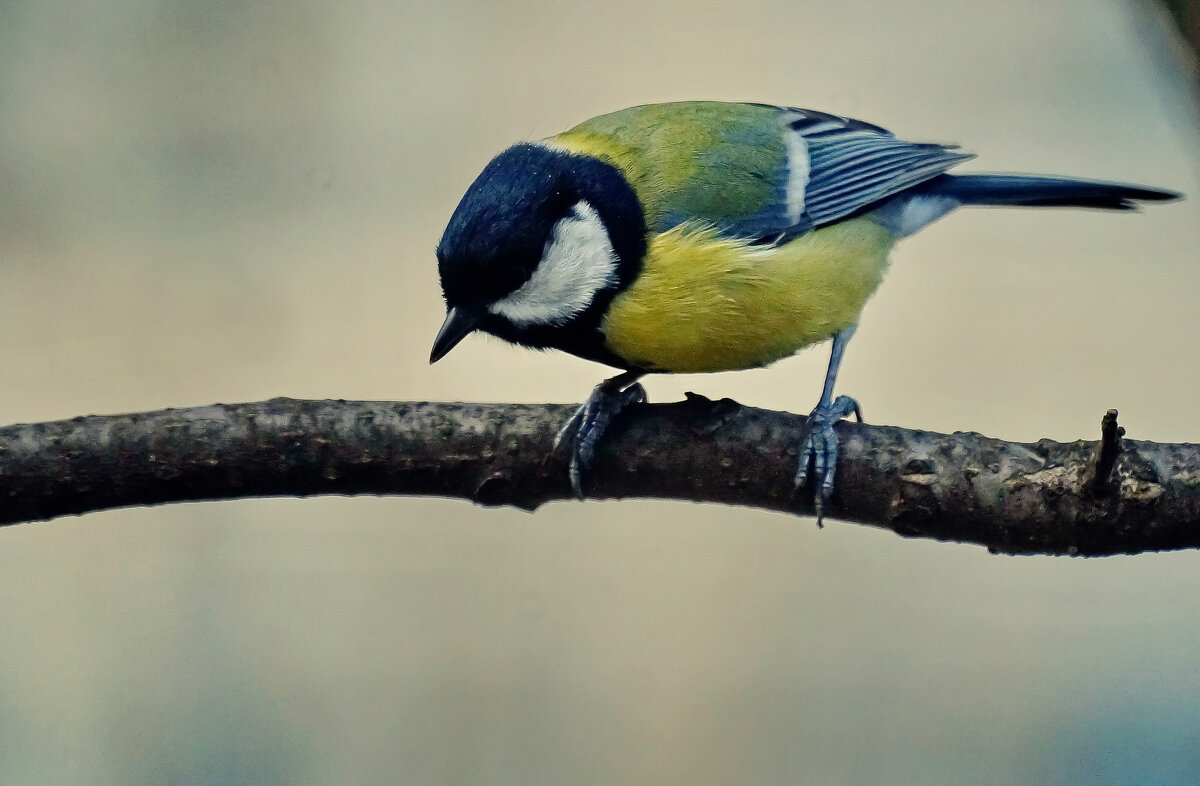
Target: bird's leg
[(589, 423), (819, 448)]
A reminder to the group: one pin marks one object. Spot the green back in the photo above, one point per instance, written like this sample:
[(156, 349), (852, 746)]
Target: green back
[(720, 163)]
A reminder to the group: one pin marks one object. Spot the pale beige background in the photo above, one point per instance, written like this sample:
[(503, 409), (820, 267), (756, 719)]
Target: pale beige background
[(229, 201)]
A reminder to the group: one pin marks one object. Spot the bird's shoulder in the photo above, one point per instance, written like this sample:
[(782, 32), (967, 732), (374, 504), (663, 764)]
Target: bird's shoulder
[(695, 160)]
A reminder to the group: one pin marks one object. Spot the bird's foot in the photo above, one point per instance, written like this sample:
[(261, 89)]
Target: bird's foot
[(819, 450), (590, 422)]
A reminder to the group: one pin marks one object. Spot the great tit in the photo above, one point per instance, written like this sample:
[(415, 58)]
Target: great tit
[(705, 236)]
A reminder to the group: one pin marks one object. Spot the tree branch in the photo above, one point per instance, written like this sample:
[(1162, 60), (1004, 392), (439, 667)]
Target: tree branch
[(1090, 498)]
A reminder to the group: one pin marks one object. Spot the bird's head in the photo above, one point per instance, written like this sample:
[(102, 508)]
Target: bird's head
[(536, 249)]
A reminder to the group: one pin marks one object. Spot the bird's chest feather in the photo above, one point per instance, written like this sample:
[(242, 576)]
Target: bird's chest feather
[(707, 303)]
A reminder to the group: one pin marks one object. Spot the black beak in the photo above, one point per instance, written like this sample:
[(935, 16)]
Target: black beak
[(458, 324)]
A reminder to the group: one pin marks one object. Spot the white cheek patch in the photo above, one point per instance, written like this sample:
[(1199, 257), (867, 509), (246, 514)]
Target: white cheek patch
[(578, 262), (796, 150)]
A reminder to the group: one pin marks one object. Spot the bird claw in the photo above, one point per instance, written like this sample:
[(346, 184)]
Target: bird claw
[(819, 450), (588, 425)]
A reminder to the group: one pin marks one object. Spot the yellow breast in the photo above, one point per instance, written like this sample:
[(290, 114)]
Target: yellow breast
[(708, 303)]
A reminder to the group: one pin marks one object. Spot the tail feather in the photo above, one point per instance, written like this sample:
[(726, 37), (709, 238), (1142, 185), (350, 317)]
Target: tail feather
[(1039, 191)]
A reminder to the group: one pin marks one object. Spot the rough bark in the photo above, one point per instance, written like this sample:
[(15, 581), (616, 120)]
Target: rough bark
[(1089, 498)]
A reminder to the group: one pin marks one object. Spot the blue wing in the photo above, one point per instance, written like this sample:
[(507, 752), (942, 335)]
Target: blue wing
[(852, 164), (837, 167)]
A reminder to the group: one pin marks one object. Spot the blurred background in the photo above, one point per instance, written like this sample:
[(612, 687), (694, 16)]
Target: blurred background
[(228, 201)]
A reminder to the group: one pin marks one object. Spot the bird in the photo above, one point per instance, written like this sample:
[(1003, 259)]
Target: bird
[(705, 236)]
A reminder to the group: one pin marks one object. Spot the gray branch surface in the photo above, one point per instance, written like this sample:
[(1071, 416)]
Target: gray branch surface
[(1110, 496)]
